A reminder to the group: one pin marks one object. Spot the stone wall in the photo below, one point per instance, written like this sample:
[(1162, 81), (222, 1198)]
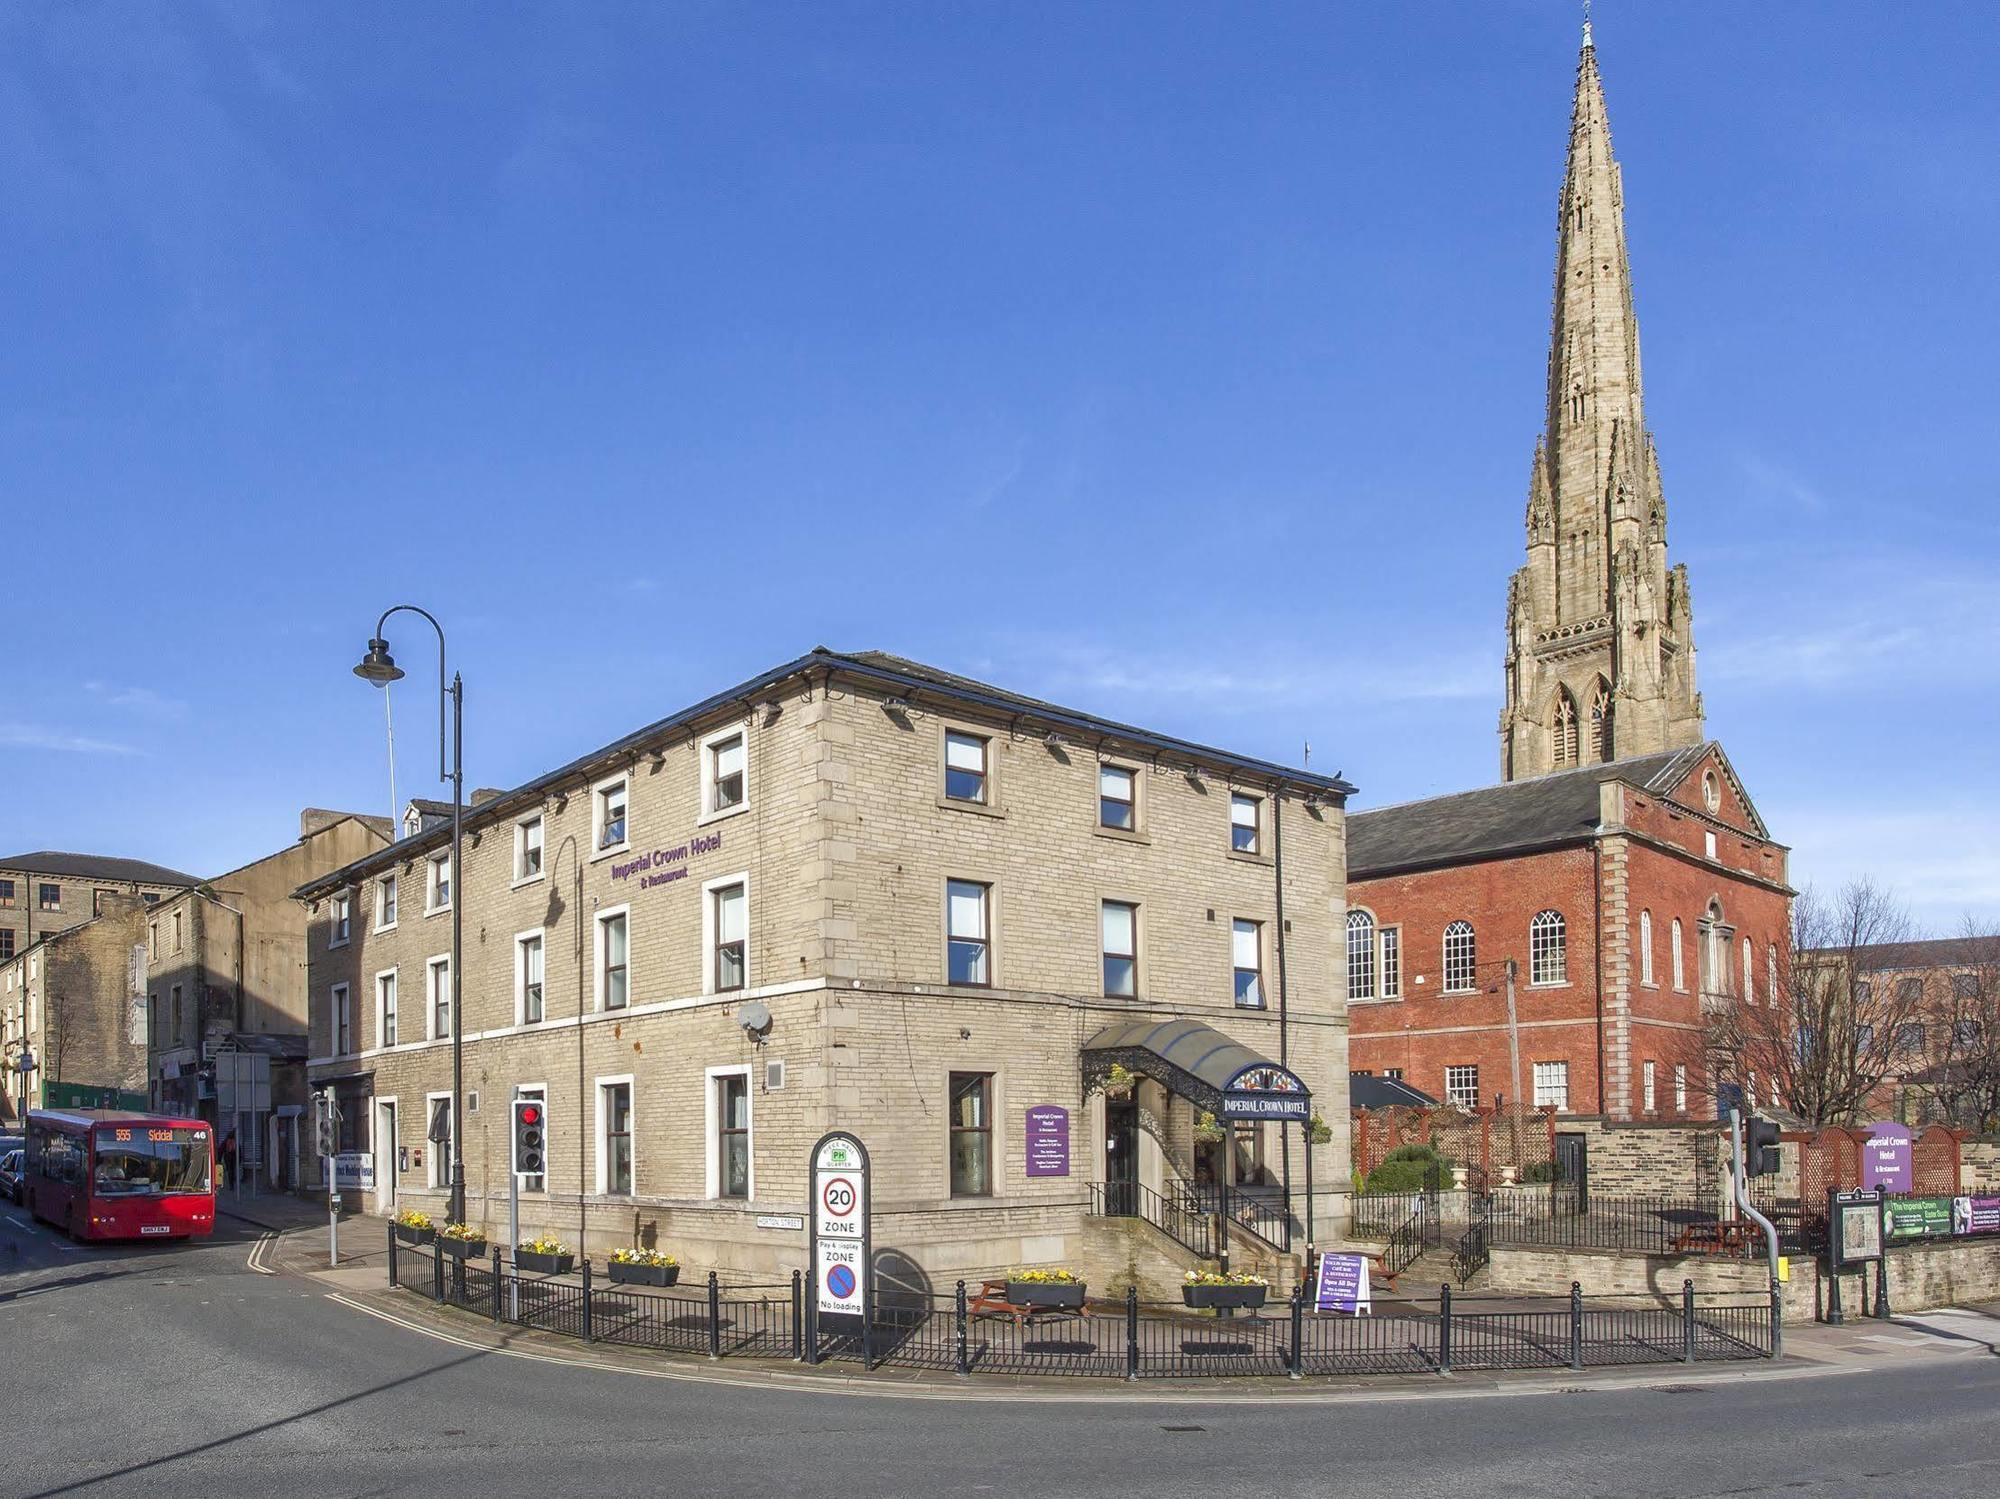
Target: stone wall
[(1980, 1164)]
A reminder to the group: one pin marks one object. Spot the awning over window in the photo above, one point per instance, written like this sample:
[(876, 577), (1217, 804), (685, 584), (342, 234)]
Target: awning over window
[(1197, 1061)]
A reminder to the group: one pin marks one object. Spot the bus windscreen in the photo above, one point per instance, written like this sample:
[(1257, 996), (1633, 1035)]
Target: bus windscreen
[(149, 1162)]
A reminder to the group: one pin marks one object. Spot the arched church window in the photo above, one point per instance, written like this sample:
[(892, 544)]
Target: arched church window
[(1360, 955), (1600, 721), (1548, 949), (1562, 733), (1461, 958)]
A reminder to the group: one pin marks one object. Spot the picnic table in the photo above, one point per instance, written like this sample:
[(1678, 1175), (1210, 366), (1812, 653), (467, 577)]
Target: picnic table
[(1727, 1236)]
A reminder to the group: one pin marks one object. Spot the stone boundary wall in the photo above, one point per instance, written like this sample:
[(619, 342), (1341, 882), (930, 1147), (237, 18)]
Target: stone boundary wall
[(1921, 1276), (1678, 1158), (1979, 1159)]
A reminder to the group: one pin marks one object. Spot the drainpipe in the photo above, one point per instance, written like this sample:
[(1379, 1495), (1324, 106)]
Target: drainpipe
[(1284, 1038)]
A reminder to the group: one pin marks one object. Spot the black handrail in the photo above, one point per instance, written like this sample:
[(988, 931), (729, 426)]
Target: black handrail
[(1189, 1229)]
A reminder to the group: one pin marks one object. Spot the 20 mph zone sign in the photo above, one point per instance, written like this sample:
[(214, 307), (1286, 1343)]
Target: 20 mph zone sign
[(840, 1227)]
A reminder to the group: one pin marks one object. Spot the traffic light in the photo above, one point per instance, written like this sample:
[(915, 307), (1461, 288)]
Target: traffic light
[(1760, 1148), (531, 1137)]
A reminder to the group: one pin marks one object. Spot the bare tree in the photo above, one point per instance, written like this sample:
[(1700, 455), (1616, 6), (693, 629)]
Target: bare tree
[(59, 1030), (1836, 1028), (1961, 1084)]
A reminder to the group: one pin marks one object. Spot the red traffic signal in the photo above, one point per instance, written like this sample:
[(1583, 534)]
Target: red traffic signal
[(530, 1137), (531, 1113)]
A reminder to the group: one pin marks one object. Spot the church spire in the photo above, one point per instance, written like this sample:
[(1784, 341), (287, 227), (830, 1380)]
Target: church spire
[(1592, 615)]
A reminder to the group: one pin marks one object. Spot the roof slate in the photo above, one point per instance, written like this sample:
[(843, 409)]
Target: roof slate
[(98, 867), (1514, 816)]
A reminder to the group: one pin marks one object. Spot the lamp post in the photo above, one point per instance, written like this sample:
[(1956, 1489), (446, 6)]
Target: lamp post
[(379, 667)]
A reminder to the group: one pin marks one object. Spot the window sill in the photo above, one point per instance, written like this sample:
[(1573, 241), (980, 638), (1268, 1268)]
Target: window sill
[(1455, 993), (1378, 999), (376, 931), (1123, 835), (337, 946), (1553, 984), (722, 816), (527, 879), (1263, 860), (613, 851), (977, 809), (437, 910)]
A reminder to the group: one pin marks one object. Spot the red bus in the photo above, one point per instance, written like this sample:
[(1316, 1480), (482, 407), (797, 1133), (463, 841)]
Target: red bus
[(110, 1174)]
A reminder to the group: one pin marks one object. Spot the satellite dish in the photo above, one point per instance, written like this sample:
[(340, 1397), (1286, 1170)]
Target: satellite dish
[(754, 1017)]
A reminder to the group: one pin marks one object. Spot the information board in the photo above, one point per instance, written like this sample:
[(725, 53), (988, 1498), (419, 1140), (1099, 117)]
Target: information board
[(1048, 1140), (1343, 1284), (1975, 1215), (1855, 1219)]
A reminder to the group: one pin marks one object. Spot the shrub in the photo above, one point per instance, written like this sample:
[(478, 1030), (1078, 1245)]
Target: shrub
[(1408, 1168), (1541, 1171)]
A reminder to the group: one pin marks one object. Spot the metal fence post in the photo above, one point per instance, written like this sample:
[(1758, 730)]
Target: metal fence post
[(496, 1285), (589, 1328), (1777, 1322), (1298, 1364), (392, 1254), (958, 1323), (1131, 1332), (1444, 1328), (1687, 1321), (437, 1272), (798, 1315), (714, 1316), (1576, 1324)]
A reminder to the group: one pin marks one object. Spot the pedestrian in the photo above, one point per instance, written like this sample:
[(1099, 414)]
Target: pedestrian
[(229, 1159)]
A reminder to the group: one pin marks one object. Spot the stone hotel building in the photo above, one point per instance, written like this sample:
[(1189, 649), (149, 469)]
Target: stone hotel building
[(853, 892)]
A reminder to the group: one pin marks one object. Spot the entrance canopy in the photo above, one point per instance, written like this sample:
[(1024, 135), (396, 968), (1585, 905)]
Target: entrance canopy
[(1201, 1064)]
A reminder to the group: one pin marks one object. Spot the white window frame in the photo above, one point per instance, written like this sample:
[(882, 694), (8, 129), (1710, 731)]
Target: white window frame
[(1473, 1068), (437, 1159), (1646, 950), (539, 1092), (1680, 1087), (1131, 800), (387, 911), (433, 865), (1749, 972), (608, 914), (1255, 824), (984, 939), (1138, 943), (432, 966), (341, 1007), (339, 918), (712, 1131), (1544, 946), (1545, 1093), (382, 1038), (986, 789), (536, 819), (603, 1131), (709, 934), (598, 805), (1648, 1083), (709, 743), (537, 934), (1389, 959), (1678, 950), (1445, 984), (1263, 998), (1359, 989)]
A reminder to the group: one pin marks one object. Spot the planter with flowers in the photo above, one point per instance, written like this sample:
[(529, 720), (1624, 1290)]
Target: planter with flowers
[(1046, 1290), (1211, 1289), (413, 1227), (1208, 1129), (543, 1255), (1318, 1130), (644, 1267), (461, 1241), (1120, 1081)]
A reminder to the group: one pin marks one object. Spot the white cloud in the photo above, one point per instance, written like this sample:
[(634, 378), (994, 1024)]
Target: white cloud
[(35, 737), (137, 699), (1942, 860)]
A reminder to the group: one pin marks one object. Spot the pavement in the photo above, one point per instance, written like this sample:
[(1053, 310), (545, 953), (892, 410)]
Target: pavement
[(236, 1365)]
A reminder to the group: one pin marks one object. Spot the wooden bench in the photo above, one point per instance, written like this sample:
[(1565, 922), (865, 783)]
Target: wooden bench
[(992, 1302), (1729, 1236)]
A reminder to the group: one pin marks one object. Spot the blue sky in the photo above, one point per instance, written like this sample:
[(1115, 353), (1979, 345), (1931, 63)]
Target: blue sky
[(1182, 363)]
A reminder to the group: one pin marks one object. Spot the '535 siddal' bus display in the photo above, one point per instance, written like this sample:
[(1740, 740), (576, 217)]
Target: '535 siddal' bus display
[(109, 1174)]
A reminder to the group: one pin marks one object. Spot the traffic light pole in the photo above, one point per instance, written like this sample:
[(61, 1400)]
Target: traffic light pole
[(1749, 1210)]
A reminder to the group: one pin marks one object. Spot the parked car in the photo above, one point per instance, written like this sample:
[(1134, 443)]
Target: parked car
[(11, 1172)]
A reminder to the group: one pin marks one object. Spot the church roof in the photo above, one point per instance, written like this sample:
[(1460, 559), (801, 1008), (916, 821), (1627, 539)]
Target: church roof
[(1512, 817)]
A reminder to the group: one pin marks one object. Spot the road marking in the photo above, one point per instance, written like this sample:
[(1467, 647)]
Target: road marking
[(265, 1242)]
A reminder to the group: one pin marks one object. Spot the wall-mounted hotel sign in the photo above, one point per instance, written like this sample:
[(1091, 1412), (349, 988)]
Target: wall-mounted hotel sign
[(1265, 1090), (662, 866)]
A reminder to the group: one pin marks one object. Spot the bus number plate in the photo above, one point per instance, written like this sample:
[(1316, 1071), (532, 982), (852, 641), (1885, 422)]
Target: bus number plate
[(153, 1228)]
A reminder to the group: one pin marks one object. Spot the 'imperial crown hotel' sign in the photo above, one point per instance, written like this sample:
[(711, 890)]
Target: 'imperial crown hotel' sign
[(662, 866)]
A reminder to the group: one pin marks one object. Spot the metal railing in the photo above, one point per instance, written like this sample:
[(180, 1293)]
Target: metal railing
[(1187, 1226), (1407, 1242), (1644, 1225), (1116, 1337), (1255, 1210)]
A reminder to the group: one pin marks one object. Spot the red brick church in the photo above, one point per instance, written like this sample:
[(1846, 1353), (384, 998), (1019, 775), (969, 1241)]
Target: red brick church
[(1619, 878)]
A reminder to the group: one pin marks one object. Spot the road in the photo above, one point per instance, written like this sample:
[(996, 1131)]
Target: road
[(166, 1370)]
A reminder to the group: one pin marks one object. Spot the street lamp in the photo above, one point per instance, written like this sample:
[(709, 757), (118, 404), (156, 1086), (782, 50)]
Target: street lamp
[(379, 667)]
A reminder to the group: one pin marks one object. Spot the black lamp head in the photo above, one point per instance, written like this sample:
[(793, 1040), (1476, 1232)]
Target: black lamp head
[(378, 666)]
